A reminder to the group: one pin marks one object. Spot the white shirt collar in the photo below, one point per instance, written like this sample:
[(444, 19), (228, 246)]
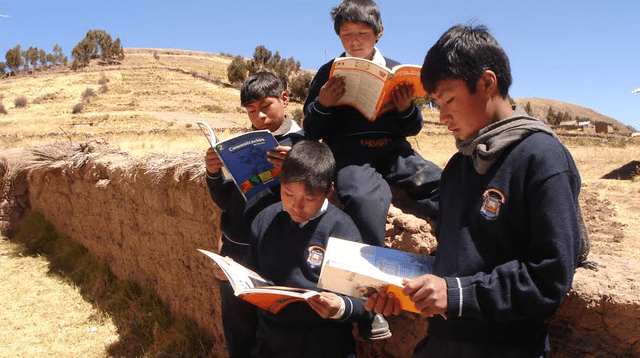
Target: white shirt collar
[(377, 57)]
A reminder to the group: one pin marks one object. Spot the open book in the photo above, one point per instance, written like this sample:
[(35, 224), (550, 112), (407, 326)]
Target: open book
[(360, 270), (369, 85), (251, 287), (245, 159)]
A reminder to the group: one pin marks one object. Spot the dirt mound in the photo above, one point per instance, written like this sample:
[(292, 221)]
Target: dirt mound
[(625, 172)]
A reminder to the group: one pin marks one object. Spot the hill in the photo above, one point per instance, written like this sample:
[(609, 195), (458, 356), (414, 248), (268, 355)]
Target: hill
[(540, 107), (150, 103)]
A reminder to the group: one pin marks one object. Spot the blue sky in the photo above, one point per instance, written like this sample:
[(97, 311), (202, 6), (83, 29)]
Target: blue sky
[(585, 52)]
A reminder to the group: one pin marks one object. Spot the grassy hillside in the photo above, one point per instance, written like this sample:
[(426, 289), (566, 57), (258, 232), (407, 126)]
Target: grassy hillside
[(540, 107), (151, 102), (144, 95)]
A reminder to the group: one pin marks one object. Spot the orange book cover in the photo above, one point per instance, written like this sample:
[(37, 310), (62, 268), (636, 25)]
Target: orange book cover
[(253, 288), (369, 85)]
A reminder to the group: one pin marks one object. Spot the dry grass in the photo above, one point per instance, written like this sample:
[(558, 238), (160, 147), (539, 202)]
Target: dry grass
[(43, 316)]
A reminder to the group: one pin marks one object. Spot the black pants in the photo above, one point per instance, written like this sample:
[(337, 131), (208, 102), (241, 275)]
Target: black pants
[(362, 185), (239, 317)]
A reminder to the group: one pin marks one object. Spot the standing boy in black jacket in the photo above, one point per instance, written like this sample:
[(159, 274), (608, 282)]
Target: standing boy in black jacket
[(265, 98), (508, 232)]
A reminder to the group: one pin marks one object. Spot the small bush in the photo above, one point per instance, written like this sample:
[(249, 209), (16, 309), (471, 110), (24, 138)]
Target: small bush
[(87, 94), (46, 98), (2, 109), (20, 101), (298, 116), (238, 70), (299, 86), (155, 55), (104, 88), (78, 108), (103, 81)]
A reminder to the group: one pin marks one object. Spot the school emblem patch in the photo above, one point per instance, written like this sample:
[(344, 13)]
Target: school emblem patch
[(492, 201), (315, 256)]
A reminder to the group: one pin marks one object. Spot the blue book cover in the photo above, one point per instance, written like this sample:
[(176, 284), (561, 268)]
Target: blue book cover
[(245, 157)]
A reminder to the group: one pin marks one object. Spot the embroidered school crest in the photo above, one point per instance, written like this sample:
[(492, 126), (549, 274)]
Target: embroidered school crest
[(492, 201), (315, 256)]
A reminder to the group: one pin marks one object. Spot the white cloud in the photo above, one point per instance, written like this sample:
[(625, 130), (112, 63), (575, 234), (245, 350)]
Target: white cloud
[(636, 90), (3, 15)]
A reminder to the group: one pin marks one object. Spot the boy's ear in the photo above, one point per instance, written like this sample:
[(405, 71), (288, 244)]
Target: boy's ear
[(285, 98), (330, 193), (378, 36), (488, 83)]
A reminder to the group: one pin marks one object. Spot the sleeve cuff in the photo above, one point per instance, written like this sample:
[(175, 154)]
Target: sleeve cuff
[(408, 112), (455, 296), (341, 310), (214, 176), (325, 111)]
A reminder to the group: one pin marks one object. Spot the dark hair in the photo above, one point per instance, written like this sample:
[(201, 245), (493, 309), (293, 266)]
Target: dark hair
[(310, 162), (464, 52), (260, 85), (364, 11)]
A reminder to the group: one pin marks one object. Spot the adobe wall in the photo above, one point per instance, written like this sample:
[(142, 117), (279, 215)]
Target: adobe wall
[(146, 220)]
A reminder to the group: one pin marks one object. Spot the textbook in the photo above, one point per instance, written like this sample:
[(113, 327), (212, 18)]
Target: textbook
[(360, 270), (251, 287), (369, 85), (245, 159)]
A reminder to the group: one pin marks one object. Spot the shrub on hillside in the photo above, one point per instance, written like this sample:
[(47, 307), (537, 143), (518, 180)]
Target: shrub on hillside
[(103, 81), (20, 101), (88, 94), (104, 89), (2, 109), (78, 108), (299, 86), (238, 70)]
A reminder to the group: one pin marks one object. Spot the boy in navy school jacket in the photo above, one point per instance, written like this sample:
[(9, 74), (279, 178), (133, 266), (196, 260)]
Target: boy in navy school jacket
[(290, 241), (370, 155), (265, 98), (509, 238)]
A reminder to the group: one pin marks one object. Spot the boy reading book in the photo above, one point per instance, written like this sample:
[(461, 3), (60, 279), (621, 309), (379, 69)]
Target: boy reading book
[(290, 241), (265, 98), (509, 237), (369, 155)]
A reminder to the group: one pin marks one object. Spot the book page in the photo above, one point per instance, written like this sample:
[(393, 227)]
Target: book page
[(253, 288), (360, 270), (364, 81), (240, 277), (401, 73)]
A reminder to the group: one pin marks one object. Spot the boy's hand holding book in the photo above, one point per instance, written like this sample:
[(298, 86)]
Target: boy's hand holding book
[(326, 304), (276, 156), (332, 91), (213, 162), (402, 96)]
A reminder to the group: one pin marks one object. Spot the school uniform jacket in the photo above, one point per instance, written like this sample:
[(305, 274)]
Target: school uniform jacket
[(509, 242), (290, 255)]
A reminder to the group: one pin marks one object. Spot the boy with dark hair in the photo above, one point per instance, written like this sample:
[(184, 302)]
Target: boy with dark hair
[(509, 238), (370, 155), (290, 241), (265, 98)]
